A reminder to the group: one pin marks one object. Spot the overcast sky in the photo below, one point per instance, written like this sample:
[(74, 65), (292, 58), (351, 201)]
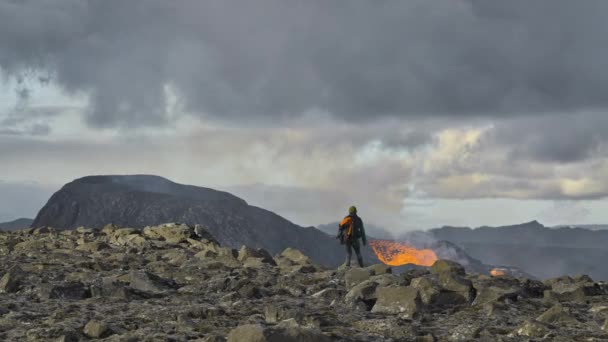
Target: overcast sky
[(422, 113)]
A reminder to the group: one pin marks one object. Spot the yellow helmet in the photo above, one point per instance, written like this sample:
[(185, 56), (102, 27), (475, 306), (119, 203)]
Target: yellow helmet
[(352, 210)]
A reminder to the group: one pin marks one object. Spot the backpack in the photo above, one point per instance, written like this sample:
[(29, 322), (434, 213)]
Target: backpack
[(346, 229)]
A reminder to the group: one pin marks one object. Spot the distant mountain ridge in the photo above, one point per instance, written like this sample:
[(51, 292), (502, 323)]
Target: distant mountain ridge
[(145, 200), (527, 233), (542, 251), (16, 224), (585, 226)]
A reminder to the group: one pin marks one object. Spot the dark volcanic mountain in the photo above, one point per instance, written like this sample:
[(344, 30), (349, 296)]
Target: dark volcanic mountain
[(539, 250), (16, 224), (142, 200)]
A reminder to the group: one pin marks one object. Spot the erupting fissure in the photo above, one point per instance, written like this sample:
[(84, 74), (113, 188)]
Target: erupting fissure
[(398, 253), (497, 272)]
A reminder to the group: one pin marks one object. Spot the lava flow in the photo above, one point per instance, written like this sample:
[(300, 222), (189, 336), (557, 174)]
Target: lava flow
[(397, 253), (497, 272)]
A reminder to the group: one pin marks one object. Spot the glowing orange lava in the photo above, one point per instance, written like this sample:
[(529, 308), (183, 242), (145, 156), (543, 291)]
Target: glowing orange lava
[(497, 272), (397, 253)]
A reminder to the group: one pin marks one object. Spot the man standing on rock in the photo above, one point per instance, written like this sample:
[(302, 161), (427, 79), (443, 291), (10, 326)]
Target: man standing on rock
[(350, 231)]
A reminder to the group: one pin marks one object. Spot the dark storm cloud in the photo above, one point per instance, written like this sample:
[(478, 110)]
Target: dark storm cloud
[(356, 60), (557, 138)]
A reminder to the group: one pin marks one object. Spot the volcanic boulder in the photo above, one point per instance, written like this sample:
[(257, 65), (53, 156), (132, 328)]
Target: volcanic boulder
[(355, 276), (432, 294), (96, 329), (403, 300), (444, 266), (285, 332), (11, 280)]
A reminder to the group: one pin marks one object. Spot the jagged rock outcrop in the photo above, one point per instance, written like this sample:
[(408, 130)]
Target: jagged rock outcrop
[(173, 282), (138, 201)]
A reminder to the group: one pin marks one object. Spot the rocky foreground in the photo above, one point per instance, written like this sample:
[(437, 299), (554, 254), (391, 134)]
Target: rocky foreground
[(176, 283)]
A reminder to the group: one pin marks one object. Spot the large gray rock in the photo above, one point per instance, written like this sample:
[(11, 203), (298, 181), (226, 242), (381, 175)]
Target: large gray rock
[(11, 280), (128, 237), (409, 275), (505, 289), (110, 287), (387, 279), (533, 329), (109, 229), (213, 250), (493, 294), (147, 282), (398, 300), (465, 332), (260, 254), (32, 246), (355, 276), (94, 246), (96, 329), (177, 257), (575, 289), (364, 292), (556, 314), (66, 291), (447, 266), (533, 288), (294, 256), (378, 269), (432, 294), (579, 295), (427, 288), (170, 232), (290, 332), (276, 313), (567, 283), (203, 233), (452, 281)]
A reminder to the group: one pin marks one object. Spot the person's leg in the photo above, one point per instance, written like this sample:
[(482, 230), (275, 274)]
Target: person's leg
[(357, 248), (349, 253)]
